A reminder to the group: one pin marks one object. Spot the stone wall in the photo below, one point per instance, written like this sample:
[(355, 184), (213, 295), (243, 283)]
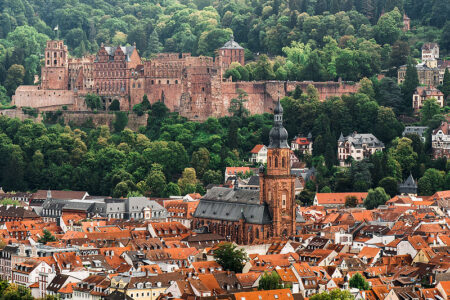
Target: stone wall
[(32, 96)]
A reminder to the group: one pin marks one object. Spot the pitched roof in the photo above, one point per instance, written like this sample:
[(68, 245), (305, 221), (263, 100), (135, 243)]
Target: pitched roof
[(282, 294), (62, 195), (338, 198), (256, 149)]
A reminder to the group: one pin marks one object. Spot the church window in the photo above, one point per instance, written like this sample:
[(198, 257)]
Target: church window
[(283, 162), (276, 162)]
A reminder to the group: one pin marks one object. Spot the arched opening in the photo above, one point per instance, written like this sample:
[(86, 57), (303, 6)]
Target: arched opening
[(276, 162), (284, 233), (283, 162)]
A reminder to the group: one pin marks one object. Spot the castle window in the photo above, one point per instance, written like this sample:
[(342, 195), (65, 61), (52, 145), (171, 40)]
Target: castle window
[(276, 162), (168, 82), (134, 85), (159, 81), (139, 85), (55, 62), (54, 54), (48, 62), (176, 81), (283, 162), (153, 81), (203, 89), (283, 200)]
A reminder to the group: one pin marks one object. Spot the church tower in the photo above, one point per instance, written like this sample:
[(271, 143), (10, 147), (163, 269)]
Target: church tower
[(277, 184)]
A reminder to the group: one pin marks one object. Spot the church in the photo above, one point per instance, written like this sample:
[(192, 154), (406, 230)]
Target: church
[(248, 216)]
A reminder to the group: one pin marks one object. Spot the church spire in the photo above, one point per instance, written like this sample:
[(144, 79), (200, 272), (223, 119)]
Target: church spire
[(278, 134)]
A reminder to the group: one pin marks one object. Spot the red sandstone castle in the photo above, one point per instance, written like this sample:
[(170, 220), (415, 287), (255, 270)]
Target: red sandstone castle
[(193, 86)]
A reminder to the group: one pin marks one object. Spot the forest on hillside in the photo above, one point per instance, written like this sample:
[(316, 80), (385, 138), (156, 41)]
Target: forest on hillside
[(332, 34)]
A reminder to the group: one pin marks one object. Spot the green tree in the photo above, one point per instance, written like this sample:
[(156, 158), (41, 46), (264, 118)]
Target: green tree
[(410, 84), (359, 282), (376, 197), (263, 69), (14, 78), (47, 237), (153, 44), (230, 258), (270, 281), (430, 108), (188, 181), (445, 87), (351, 201), (335, 294), (115, 105), (390, 185), (93, 101), (403, 152), (172, 189), (200, 160), (237, 105), (156, 180), (431, 182), (212, 176), (120, 121), (388, 28)]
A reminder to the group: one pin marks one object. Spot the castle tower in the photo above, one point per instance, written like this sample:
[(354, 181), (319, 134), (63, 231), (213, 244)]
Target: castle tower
[(278, 185), (231, 52), (55, 73)]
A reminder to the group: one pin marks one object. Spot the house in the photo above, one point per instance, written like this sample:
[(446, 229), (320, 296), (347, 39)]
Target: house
[(282, 294), (333, 200), (440, 140), (411, 245), (302, 144), (430, 51), (60, 284), (419, 130), (94, 287), (357, 146), (259, 155), (444, 288), (28, 272), (369, 255), (232, 172), (423, 93)]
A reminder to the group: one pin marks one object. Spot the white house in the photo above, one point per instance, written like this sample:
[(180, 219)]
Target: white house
[(440, 141), (358, 146), (259, 154)]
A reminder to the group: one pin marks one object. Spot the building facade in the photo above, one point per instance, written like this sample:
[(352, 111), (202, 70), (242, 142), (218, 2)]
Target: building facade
[(423, 93), (258, 154), (303, 144), (357, 146), (245, 216), (440, 141)]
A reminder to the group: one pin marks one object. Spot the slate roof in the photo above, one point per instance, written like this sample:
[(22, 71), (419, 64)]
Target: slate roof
[(128, 50), (408, 186), (231, 44), (358, 139), (17, 212), (419, 130), (230, 205)]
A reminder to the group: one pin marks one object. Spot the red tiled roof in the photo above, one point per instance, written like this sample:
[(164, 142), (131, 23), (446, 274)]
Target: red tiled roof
[(338, 198), (256, 149)]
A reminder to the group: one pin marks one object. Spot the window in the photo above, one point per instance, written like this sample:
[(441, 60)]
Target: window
[(276, 162), (283, 162)]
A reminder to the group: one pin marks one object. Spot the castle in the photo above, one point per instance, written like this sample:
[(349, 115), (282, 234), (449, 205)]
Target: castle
[(193, 86), (247, 216)]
